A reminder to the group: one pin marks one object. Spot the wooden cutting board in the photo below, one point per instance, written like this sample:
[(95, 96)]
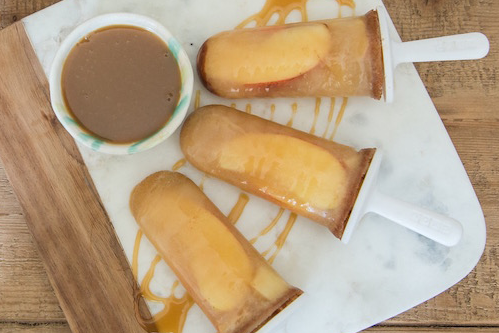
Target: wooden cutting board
[(76, 241)]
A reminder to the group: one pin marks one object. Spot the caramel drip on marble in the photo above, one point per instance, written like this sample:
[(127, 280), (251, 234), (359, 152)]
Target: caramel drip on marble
[(294, 107), (272, 111), (146, 281), (197, 99), (269, 227), (233, 105), (329, 116), (237, 210), (280, 7), (339, 117), (174, 313), (180, 163), (316, 114), (348, 3), (201, 183), (281, 239), (135, 256), (248, 108)]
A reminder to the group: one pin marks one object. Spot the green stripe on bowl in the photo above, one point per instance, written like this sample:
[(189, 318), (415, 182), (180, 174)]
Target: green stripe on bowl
[(96, 144), (70, 120), (86, 136), (174, 47), (133, 148), (180, 105)]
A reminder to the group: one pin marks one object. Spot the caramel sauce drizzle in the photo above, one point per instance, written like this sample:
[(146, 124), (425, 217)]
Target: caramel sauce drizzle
[(135, 256), (329, 116), (174, 307), (348, 3), (197, 99), (339, 117), (180, 163), (281, 239), (281, 7), (237, 210), (174, 313), (248, 108), (201, 183), (268, 227), (272, 112), (294, 107), (316, 114)]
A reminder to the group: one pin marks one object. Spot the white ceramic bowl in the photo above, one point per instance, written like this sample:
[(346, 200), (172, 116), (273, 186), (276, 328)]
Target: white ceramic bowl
[(66, 118)]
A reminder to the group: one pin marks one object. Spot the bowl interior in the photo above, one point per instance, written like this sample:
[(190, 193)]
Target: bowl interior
[(67, 119)]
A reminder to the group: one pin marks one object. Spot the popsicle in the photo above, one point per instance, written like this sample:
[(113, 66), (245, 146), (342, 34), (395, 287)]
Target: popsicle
[(338, 57), (229, 280), (308, 175)]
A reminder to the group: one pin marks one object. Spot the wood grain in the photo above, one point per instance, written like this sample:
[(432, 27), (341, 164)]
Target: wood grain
[(72, 232), (466, 97), (64, 328)]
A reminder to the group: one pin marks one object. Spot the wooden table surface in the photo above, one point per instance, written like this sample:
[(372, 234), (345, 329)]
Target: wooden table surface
[(467, 99)]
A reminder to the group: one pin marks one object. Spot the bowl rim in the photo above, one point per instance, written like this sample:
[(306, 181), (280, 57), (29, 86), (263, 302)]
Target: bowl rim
[(66, 118)]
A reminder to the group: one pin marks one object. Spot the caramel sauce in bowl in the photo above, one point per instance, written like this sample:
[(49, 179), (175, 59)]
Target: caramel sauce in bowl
[(116, 98)]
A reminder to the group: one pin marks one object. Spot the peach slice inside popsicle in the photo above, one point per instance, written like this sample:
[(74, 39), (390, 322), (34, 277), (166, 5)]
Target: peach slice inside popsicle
[(226, 255), (312, 175), (231, 282), (209, 242), (268, 55)]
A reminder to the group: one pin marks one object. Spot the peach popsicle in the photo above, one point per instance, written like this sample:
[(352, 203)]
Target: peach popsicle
[(339, 57), (308, 175), (229, 280)]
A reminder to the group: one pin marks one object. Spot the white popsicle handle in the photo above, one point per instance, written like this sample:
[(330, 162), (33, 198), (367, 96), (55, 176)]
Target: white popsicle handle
[(440, 228), (474, 45)]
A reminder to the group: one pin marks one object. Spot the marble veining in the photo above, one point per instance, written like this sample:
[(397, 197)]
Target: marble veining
[(385, 269)]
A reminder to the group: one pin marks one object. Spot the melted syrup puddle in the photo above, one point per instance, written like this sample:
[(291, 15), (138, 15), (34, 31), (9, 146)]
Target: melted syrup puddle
[(175, 309)]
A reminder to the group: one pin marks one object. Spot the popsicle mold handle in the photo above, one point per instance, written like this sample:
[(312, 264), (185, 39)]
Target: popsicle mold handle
[(440, 228), (474, 45)]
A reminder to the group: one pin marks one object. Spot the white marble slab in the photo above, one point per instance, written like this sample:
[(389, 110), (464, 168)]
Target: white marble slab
[(385, 269)]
